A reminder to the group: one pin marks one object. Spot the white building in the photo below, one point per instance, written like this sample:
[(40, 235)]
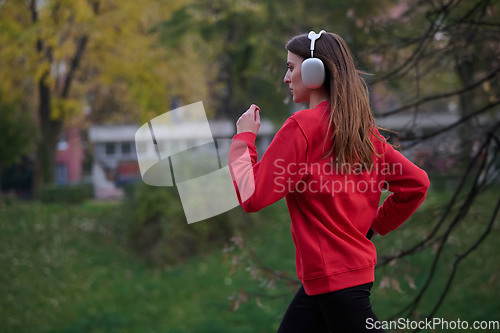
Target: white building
[(115, 160)]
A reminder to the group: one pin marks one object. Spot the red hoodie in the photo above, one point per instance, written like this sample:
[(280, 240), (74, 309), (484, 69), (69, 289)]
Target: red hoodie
[(331, 211)]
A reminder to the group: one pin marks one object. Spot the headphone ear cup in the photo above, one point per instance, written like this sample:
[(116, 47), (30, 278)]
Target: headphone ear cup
[(313, 73)]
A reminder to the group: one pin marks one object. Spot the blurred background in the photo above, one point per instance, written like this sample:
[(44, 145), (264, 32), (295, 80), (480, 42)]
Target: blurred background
[(85, 246)]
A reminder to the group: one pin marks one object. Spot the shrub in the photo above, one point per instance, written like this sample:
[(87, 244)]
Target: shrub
[(67, 194), (7, 199), (158, 228)]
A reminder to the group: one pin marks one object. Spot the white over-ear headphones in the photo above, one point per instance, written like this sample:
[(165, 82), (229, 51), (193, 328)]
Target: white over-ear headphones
[(312, 69)]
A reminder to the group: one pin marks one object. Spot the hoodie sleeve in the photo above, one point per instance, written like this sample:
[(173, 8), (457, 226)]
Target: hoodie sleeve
[(260, 184), (408, 184)]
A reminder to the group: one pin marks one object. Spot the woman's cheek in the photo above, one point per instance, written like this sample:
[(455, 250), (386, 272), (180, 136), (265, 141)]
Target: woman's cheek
[(298, 96)]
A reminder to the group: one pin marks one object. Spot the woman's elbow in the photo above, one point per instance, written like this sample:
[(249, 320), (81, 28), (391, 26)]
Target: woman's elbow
[(424, 184), (250, 206)]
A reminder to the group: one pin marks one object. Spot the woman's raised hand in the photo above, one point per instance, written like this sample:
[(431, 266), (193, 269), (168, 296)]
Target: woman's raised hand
[(249, 121)]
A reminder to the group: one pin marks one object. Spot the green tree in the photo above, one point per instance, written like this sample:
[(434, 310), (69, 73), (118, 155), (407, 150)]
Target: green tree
[(244, 44), (17, 133)]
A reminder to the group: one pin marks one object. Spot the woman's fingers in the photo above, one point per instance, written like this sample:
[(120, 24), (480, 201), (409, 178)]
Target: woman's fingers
[(252, 112), (255, 110), (249, 121)]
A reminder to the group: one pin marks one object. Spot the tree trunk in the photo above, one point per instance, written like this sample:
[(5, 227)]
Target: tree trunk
[(50, 131), (51, 128)]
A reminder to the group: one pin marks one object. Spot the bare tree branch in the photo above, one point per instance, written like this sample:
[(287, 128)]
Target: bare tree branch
[(483, 23), (427, 240), (424, 40), (75, 62), (479, 5), (403, 68), (493, 74), (462, 213), (461, 257), (449, 127)]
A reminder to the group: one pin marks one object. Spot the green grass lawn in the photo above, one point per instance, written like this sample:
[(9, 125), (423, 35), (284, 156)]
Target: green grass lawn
[(68, 269)]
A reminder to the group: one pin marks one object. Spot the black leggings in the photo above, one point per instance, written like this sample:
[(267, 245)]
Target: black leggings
[(346, 310)]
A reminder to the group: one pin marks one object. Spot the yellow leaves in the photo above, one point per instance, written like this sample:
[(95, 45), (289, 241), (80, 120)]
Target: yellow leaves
[(122, 51), (15, 11), (83, 11), (42, 69), (158, 11), (125, 52), (17, 45), (64, 50), (63, 14), (62, 108)]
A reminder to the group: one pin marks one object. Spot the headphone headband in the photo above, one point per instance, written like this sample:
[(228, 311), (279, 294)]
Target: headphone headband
[(313, 37)]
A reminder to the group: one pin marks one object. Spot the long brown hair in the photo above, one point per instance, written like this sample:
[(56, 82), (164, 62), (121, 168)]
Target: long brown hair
[(350, 122)]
